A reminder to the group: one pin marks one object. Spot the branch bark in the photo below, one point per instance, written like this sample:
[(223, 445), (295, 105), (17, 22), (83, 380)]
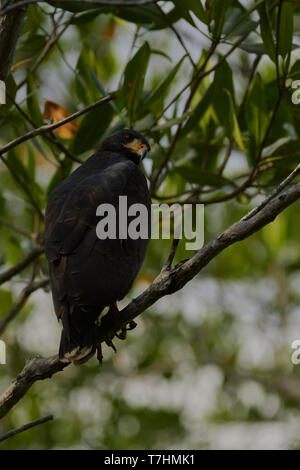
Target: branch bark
[(166, 283), (23, 428), (10, 27)]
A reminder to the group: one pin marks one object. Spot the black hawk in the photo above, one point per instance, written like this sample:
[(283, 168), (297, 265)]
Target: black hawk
[(88, 273)]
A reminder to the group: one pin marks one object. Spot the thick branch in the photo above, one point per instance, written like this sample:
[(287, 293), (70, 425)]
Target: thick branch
[(38, 368), (10, 28), (167, 282)]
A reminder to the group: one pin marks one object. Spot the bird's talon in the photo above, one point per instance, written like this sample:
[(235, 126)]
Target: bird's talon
[(99, 355), (122, 335), (131, 325), (110, 344)]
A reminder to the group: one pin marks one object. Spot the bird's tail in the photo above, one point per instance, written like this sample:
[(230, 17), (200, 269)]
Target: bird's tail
[(79, 336)]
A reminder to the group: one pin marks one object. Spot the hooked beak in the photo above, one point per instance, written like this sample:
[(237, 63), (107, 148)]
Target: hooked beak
[(144, 149), (139, 148)]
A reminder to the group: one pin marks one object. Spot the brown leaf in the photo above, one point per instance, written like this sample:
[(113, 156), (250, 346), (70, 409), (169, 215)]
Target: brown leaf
[(56, 113)]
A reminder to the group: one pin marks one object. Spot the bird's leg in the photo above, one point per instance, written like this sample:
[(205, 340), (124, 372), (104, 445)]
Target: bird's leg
[(99, 354), (113, 311), (110, 344), (131, 325)]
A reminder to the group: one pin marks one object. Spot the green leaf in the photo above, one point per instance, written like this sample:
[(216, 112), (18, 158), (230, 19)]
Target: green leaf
[(253, 48), (73, 7), (17, 166), (32, 43), (30, 167), (86, 89), (237, 24), (92, 127), (197, 8), (32, 102), (223, 89), (196, 175), (198, 112), (171, 122), (284, 148), (286, 29), (86, 16), (258, 48), (134, 78), (256, 110), (62, 172), (173, 16), (6, 301), (159, 93), (142, 15), (161, 53), (218, 12), (183, 8), (266, 31), (236, 132)]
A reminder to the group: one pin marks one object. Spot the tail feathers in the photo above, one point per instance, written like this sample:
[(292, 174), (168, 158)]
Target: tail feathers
[(77, 344)]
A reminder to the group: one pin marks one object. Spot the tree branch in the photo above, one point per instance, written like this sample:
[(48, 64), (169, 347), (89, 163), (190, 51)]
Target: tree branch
[(51, 138), (23, 428), (50, 127), (166, 283), (10, 28), (11, 272), (23, 296), (16, 229)]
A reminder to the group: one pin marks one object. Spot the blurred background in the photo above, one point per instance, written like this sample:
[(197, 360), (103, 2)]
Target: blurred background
[(209, 367)]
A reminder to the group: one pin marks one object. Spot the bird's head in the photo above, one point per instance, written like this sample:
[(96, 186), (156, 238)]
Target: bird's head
[(129, 143)]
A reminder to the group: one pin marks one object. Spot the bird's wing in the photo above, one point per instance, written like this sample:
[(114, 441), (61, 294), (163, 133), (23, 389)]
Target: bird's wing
[(77, 212)]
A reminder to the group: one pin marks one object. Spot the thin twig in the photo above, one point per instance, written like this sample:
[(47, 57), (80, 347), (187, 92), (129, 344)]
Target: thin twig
[(172, 27), (274, 193), (23, 428), (241, 109), (21, 183), (16, 229), (168, 264), (23, 296), (52, 138), (54, 38), (196, 80), (50, 127), (11, 272)]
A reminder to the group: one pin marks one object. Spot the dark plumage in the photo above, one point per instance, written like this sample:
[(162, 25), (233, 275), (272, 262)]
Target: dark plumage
[(87, 274)]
